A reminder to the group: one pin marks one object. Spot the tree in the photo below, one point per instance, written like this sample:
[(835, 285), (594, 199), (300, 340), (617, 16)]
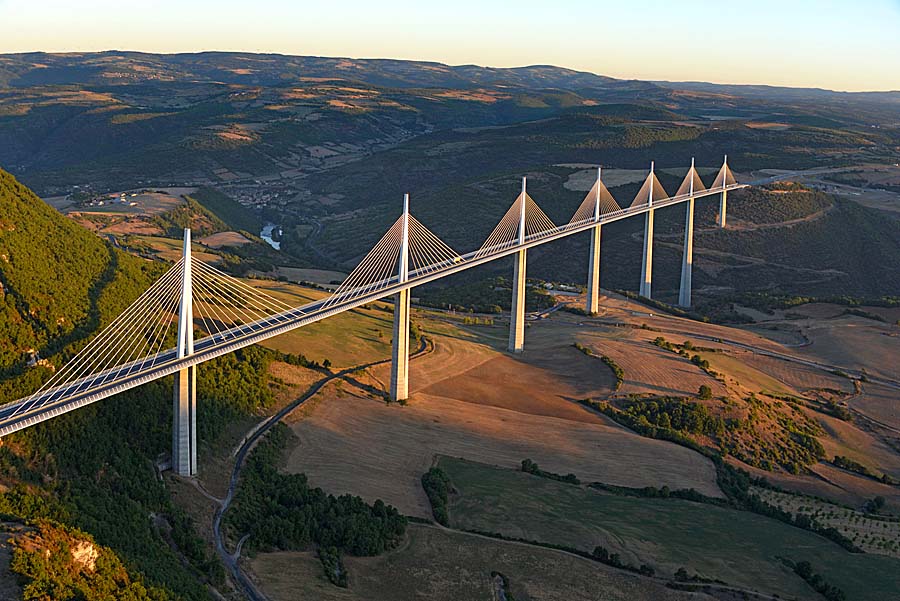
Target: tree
[(705, 392)]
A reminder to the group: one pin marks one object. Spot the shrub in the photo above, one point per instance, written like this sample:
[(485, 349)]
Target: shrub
[(437, 486)]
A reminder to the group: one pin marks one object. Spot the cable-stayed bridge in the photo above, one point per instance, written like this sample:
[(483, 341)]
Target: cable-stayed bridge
[(155, 336)]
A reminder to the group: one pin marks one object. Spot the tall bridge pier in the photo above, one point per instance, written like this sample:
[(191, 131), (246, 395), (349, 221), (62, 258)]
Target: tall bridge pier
[(184, 413), (687, 257), (593, 287), (517, 311), (647, 257), (723, 197), (400, 344)]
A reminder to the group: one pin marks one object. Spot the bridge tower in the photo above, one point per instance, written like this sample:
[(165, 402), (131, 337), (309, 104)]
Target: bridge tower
[(723, 197), (184, 415), (400, 346), (687, 257), (647, 258), (517, 312), (593, 288)]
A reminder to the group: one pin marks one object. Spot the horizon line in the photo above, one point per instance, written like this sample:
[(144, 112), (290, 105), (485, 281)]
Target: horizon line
[(437, 62)]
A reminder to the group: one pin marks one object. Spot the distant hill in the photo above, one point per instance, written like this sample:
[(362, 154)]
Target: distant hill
[(121, 119), (115, 67)]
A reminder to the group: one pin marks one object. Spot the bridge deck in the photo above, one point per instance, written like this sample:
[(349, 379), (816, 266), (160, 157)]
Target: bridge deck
[(56, 401)]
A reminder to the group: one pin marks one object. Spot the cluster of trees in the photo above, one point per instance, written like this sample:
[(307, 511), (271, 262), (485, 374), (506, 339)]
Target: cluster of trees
[(639, 136), (300, 360), (852, 465), (437, 486), (680, 420), (829, 591), (651, 492), (530, 467), (643, 426), (769, 301), (875, 504), (281, 511), (674, 413), (333, 566), (800, 447), (603, 555), (231, 386)]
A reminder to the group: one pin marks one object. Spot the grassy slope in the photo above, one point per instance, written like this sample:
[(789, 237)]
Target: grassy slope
[(738, 547)]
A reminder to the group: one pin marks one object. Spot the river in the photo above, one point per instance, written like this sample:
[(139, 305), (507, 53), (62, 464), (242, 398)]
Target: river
[(266, 234)]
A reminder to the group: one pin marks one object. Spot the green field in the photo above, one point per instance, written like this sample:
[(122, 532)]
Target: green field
[(351, 338), (737, 547)]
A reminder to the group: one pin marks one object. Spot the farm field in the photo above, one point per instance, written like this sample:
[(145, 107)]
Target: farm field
[(792, 375), (369, 328), (664, 533), (857, 343), (441, 565), (359, 445), (879, 403), (352, 443), (870, 533), (648, 368)]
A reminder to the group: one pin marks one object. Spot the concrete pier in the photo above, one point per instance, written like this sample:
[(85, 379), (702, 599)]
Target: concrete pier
[(184, 423), (593, 287), (184, 406), (647, 258), (687, 258), (517, 315), (723, 206), (400, 345), (400, 348)]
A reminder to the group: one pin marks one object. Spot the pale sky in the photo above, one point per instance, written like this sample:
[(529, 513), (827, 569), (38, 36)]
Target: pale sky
[(836, 44)]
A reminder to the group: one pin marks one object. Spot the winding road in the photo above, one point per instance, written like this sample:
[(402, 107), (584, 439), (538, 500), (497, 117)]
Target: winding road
[(231, 560)]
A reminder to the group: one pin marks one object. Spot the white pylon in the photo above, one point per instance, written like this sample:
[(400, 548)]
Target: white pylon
[(723, 198), (400, 345), (184, 406), (593, 290), (647, 257), (687, 257), (517, 310)]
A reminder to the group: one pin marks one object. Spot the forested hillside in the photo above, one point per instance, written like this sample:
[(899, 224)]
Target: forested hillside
[(58, 281), (61, 284), (56, 481)]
